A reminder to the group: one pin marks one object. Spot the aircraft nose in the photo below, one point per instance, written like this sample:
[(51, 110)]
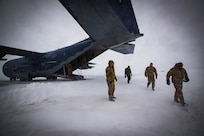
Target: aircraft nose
[(7, 70)]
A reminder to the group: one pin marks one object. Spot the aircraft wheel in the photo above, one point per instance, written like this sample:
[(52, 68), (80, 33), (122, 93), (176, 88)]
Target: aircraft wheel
[(12, 78), (29, 77), (52, 78)]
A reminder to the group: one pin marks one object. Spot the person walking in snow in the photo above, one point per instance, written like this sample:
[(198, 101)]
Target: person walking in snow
[(179, 75), (110, 79), (128, 74), (150, 71)]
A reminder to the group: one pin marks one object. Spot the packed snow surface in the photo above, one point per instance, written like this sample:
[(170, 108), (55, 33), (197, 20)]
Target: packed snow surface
[(76, 108)]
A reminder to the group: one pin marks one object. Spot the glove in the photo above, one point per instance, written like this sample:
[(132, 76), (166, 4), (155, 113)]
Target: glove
[(125, 76), (167, 82), (186, 79), (116, 79), (156, 76)]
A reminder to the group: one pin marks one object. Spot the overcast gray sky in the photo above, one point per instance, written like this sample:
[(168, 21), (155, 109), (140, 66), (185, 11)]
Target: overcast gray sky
[(173, 31)]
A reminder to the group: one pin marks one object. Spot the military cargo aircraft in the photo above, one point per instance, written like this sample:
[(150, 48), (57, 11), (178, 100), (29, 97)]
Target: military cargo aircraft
[(110, 24)]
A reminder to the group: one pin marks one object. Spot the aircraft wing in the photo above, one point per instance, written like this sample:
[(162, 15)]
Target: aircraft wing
[(110, 22), (14, 51)]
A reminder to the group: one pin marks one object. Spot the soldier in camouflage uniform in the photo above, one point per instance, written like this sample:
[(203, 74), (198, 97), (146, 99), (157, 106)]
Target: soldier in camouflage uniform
[(110, 79), (128, 74), (69, 70), (179, 75), (150, 71)]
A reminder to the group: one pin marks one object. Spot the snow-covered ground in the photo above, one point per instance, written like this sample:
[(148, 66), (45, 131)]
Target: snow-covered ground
[(76, 108)]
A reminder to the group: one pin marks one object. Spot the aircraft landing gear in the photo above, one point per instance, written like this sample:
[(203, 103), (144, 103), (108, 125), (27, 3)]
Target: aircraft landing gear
[(52, 78), (12, 78)]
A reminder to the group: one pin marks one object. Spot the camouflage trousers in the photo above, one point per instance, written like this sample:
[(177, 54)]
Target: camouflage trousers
[(111, 89), (151, 80), (128, 79), (178, 93)]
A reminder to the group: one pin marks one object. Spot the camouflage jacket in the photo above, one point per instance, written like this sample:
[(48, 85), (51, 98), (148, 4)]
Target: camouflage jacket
[(110, 74), (128, 71), (150, 71), (177, 75)]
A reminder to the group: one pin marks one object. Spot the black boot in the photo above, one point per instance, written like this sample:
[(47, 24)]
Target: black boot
[(111, 98), (176, 100)]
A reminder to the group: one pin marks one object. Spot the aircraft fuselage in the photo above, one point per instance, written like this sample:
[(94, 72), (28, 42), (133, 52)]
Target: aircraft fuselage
[(47, 64), (110, 24)]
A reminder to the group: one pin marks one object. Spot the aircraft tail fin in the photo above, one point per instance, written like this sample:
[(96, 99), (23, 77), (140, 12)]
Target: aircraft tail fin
[(110, 20), (126, 48)]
